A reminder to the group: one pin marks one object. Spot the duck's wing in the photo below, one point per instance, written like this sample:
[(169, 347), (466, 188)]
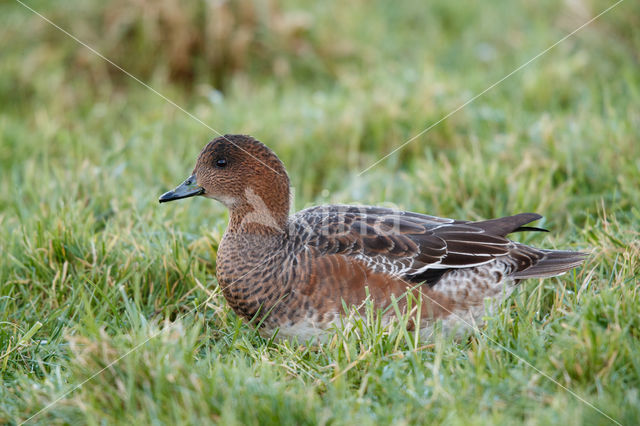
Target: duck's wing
[(410, 245)]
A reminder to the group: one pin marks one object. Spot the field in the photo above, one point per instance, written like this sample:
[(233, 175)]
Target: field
[(102, 287)]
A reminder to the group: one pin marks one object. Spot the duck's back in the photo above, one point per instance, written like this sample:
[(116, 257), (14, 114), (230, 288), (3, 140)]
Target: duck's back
[(413, 246)]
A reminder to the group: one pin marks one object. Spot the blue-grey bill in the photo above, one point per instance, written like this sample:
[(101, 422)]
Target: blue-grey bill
[(188, 188)]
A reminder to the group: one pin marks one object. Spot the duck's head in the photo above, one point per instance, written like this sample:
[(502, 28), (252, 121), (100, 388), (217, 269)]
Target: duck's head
[(243, 174)]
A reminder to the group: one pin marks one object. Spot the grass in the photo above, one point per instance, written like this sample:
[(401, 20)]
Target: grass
[(92, 267)]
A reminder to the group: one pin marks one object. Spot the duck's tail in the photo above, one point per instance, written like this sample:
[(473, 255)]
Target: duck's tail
[(553, 263), (550, 263)]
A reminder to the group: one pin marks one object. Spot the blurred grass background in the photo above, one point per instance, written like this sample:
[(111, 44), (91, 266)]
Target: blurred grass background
[(331, 86)]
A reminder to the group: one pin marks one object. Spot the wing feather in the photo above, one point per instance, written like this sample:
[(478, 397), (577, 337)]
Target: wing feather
[(413, 245)]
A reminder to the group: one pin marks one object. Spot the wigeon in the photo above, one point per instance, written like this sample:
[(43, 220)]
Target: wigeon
[(294, 274)]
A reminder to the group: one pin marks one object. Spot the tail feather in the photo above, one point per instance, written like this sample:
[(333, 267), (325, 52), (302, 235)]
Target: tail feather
[(553, 263), (509, 224)]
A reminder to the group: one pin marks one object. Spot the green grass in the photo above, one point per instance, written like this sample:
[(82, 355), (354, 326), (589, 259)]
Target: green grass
[(89, 257)]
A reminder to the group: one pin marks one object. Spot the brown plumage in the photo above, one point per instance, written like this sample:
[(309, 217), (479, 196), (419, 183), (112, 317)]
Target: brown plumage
[(293, 273)]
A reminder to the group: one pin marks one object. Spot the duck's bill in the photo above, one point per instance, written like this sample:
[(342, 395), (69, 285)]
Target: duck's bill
[(186, 189)]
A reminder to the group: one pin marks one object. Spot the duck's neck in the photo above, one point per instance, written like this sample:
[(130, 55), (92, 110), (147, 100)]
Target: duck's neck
[(255, 213)]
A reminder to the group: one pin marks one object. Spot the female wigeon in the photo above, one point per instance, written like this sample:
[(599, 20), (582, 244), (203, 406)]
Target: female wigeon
[(293, 273)]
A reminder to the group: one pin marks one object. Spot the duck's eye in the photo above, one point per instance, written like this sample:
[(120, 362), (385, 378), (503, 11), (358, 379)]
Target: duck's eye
[(221, 162)]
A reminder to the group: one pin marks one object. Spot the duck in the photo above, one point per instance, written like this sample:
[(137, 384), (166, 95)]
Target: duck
[(297, 276)]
